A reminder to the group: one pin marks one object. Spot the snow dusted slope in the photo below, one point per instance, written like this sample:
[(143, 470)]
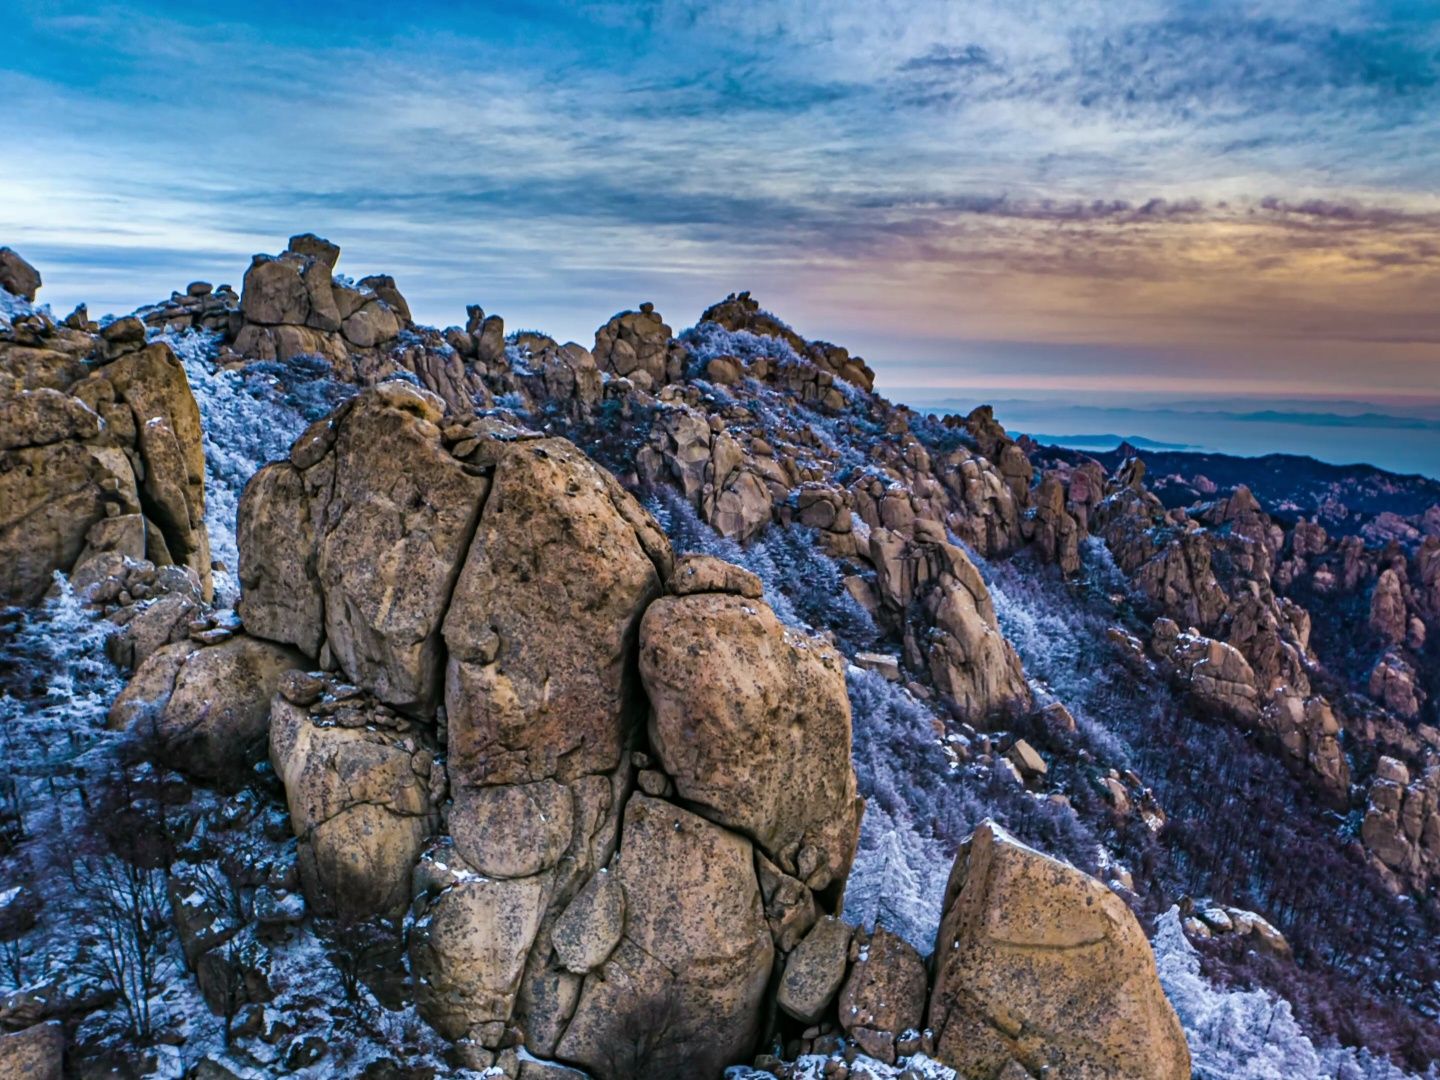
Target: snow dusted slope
[(249, 418), (1249, 1034)]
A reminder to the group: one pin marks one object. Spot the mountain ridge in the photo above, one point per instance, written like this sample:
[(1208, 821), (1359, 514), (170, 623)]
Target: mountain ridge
[(946, 563)]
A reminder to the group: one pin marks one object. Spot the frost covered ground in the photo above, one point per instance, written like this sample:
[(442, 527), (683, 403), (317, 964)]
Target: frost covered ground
[(248, 419)]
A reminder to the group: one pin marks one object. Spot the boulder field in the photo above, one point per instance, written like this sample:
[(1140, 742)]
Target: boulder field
[(608, 788)]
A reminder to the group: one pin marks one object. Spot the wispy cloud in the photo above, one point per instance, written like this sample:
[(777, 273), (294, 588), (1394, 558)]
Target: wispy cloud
[(1253, 186)]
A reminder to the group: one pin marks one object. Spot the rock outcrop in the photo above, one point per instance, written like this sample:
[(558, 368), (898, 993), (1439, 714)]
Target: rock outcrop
[(682, 989), (293, 305), (352, 547), (637, 345), (100, 450), (18, 277), (363, 788), (1402, 822), (611, 791), (931, 589), (489, 598)]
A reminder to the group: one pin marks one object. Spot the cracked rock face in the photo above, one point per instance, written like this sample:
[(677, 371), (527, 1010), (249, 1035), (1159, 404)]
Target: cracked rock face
[(541, 629), (694, 960), (85, 445), (608, 892), (745, 716), (363, 787), (1039, 963), (355, 543)]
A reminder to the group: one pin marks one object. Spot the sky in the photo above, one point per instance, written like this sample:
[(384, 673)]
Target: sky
[(1097, 198)]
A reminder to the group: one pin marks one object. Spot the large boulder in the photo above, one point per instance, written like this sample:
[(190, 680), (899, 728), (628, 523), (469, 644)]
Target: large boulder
[(884, 997), (50, 498), (274, 290), (681, 992), (752, 723), (37, 1052), (1040, 963), (542, 623), (207, 709), (363, 786), (81, 446), (151, 381), (815, 970), (18, 277), (636, 344), (948, 620), (469, 946)]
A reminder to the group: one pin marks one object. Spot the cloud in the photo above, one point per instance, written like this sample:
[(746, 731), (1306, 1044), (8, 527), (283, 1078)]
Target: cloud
[(1116, 173)]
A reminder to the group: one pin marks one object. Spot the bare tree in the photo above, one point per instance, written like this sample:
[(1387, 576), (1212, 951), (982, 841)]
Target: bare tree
[(129, 915), (19, 908), (118, 879)]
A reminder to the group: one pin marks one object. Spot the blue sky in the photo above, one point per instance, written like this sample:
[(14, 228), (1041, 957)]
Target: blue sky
[(1089, 197)]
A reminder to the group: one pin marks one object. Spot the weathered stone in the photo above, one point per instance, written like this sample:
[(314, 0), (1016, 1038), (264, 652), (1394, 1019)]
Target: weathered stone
[(542, 623), (18, 277), (390, 531), (1038, 962), (44, 416), (207, 709), (468, 951), (707, 574), (681, 993), (790, 907), (362, 803), (885, 993), (274, 292), (752, 723), (512, 830), (815, 970), (635, 343), (1027, 759), (591, 926), (280, 595), (322, 251), (50, 497), (152, 382), (38, 1052)]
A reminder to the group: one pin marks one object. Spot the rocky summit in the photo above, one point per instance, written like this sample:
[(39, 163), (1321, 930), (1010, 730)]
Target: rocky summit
[(391, 701)]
